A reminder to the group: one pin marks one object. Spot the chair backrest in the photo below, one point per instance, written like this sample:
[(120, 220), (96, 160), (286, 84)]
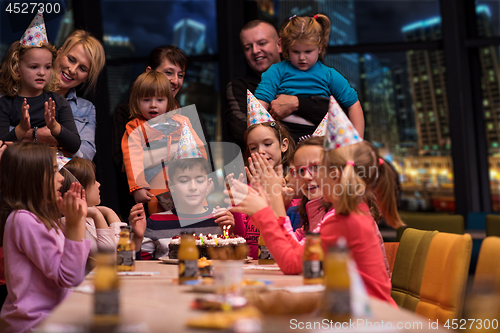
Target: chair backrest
[(492, 225), (451, 223), (488, 268), (409, 267), (391, 248), (445, 276)]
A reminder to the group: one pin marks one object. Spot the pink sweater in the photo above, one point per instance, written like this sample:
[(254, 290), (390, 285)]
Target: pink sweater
[(40, 266), (357, 229)]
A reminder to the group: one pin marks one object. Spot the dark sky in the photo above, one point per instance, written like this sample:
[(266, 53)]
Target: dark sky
[(381, 21), (150, 23)]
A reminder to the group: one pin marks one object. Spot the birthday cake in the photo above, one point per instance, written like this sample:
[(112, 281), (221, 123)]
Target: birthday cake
[(204, 243)]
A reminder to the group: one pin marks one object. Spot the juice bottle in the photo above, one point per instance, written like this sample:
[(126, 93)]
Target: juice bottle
[(265, 257), (106, 284), (125, 255), (188, 258), (313, 259), (337, 297)]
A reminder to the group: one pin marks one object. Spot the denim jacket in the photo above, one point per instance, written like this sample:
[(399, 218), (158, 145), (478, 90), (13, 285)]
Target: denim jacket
[(85, 120)]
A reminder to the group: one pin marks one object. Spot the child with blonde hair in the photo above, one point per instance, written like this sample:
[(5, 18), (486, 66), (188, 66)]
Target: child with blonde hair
[(303, 42), (27, 80), (152, 136), (350, 174)]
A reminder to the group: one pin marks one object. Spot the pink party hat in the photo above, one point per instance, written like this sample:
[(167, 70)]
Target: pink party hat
[(256, 113), (320, 130), (187, 148), (35, 35), (340, 132)]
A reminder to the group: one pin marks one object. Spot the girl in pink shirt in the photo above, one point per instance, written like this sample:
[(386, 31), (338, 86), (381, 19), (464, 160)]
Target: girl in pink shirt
[(41, 259)]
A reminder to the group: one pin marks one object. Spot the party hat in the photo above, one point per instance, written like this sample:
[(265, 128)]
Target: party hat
[(187, 148), (62, 161), (340, 132), (35, 35), (320, 130), (256, 113)]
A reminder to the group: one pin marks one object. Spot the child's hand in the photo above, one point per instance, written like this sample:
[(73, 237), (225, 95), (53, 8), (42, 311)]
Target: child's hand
[(24, 123), (137, 219), (230, 177), (142, 195), (249, 200), (271, 180), (50, 117), (288, 194), (74, 208), (224, 217)]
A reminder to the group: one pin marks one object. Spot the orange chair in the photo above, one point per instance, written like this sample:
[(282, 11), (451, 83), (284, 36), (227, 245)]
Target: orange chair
[(391, 248), (409, 267), (488, 268), (445, 277)]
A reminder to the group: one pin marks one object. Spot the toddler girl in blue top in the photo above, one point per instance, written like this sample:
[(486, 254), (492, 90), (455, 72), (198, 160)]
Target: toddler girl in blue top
[(303, 42)]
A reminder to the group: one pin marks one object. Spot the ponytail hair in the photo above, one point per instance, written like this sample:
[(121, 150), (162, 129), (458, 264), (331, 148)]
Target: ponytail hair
[(386, 192), (281, 133), (308, 30), (362, 178)]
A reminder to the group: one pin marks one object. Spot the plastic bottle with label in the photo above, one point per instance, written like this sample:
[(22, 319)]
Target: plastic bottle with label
[(188, 258), (125, 255), (312, 259), (337, 297), (106, 284), (265, 257)]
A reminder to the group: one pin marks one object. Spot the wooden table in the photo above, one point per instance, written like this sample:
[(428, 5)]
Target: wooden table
[(163, 305)]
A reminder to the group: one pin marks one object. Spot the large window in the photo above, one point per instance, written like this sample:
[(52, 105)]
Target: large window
[(403, 94), (190, 25)]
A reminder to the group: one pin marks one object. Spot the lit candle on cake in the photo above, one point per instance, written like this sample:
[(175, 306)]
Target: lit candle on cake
[(227, 232), (201, 239)]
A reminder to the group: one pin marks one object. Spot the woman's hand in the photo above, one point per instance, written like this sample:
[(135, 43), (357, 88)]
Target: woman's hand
[(248, 200), (50, 117), (142, 195), (74, 208), (24, 123), (137, 220), (224, 218)]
